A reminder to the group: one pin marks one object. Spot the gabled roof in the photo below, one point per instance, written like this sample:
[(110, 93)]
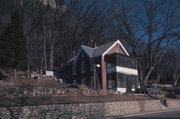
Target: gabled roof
[(88, 50), (116, 43), (98, 51), (102, 48), (71, 59)]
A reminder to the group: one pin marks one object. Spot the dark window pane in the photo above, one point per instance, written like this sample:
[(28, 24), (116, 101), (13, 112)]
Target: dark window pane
[(126, 62), (121, 80)]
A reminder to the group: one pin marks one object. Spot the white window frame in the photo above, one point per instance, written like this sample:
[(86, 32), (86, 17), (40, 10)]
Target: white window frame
[(83, 67)]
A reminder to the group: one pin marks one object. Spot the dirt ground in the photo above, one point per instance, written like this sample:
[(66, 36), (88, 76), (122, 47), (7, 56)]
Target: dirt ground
[(33, 83)]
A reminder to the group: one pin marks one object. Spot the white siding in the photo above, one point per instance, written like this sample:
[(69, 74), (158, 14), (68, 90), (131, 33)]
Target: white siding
[(124, 70)]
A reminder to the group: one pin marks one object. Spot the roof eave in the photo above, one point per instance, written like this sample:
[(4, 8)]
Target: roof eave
[(118, 41)]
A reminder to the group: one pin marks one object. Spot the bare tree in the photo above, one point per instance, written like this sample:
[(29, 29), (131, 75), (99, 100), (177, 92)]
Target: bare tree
[(148, 30), (81, 24), (172, 61), (67, 26)]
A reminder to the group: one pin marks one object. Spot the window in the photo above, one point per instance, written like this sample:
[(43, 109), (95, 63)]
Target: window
[(111, 81), (110, 84), (74, 68), (93, 84), (83, 67), (109, 65), (126, 62), (133, 86), (121, 80), (74, 82), (83, 81), (92, 65), (82, 55)]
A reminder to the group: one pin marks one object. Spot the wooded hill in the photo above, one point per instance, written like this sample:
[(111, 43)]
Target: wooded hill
[(43, 34)]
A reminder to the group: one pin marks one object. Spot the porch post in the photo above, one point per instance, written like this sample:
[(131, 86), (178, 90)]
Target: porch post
[(117, 80), (104, 73)]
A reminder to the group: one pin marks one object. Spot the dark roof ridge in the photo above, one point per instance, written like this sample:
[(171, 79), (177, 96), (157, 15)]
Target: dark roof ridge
[(86, 46), (89, 51), (100, 45)]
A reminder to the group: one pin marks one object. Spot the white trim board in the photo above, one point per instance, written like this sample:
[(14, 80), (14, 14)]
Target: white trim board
[(117, 42), (122, 90), (123, 70)]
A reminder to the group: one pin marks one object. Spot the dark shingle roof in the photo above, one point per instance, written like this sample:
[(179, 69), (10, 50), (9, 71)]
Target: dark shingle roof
[(71, 59), (102, 48), (89, 51), (94, 52)]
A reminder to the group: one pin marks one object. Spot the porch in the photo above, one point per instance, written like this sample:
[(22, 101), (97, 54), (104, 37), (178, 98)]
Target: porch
[(122, 73)]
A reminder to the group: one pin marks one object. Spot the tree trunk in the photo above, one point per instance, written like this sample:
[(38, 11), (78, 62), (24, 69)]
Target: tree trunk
[(176, 78), (147, 76), (15, 74), (40, 71), (28, 58), (45, 60), (140, 74), (51, 57), (28, 72), (158, 78)]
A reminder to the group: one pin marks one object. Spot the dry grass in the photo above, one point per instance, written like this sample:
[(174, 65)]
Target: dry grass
[(50, 84), (20, 82), (33, 83)]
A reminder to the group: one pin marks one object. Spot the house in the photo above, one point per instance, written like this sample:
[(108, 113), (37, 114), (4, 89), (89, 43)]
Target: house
[(107, 66)]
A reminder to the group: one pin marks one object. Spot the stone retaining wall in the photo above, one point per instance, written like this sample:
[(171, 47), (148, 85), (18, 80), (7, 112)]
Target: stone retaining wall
[(79, 110), (83, 110), (76, 110), (15, 92), (173, 104)]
